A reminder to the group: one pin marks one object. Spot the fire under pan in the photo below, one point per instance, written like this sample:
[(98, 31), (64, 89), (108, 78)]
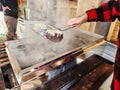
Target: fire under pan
[(29, 53)]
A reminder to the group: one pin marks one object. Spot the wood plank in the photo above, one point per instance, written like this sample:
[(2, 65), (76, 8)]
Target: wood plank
[(94, 46), (4, 63), (102, 78), (21, 6), (113, 31), (94, 79)]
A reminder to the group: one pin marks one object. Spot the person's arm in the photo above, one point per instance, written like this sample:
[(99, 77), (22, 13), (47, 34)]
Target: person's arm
[(78, 20), (106, 12)]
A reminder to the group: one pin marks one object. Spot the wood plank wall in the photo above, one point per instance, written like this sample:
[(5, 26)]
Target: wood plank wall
[(21, 5), (79, 9)]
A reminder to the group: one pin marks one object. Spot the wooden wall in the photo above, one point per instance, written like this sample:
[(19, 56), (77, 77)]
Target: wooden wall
[(21, 5), (63, 11)]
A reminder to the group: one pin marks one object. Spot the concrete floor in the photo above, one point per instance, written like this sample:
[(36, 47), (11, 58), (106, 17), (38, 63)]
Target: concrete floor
[(107, 83)]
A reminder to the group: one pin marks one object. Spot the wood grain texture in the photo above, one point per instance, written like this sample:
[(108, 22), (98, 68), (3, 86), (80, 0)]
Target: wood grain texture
[(94, 79), (113, 31)]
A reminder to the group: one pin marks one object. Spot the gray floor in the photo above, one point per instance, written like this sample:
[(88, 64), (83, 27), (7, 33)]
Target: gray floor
[(107, 83)]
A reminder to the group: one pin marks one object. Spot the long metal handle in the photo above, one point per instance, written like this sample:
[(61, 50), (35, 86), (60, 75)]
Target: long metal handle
[(67, 27), (62, 28)]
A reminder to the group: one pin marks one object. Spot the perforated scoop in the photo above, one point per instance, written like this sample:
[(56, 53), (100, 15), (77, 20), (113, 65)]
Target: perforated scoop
[(51, 32)]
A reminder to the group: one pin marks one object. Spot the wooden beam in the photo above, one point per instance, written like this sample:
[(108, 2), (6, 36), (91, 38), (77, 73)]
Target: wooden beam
[(113, 31), (94, 46), (21, 6)]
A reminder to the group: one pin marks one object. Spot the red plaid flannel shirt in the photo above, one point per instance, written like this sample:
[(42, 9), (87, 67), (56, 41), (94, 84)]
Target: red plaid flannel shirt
[(106, 12), (109, 12)]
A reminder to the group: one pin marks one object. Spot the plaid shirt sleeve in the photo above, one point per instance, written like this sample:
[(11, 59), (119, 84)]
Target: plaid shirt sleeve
[(106, 12), (109, 12)]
